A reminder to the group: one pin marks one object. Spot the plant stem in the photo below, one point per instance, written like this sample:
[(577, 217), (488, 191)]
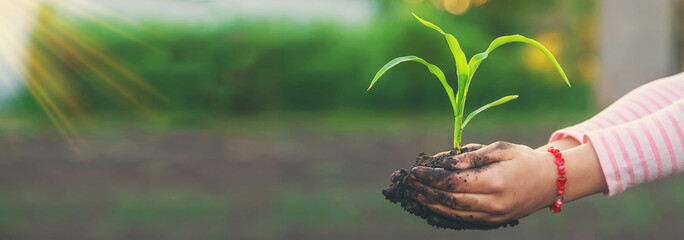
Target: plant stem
[(457, 133)]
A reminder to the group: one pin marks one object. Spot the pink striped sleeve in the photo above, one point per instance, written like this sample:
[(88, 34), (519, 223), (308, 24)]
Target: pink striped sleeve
[(638, 103), (642, 150)]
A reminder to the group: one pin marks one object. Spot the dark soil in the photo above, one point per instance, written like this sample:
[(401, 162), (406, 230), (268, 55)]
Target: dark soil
[(400, 192)]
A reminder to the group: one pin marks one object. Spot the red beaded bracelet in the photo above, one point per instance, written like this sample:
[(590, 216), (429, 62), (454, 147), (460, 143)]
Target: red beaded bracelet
[(556, 207)]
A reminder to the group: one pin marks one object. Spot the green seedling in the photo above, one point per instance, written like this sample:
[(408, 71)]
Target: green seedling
[(465, 71)]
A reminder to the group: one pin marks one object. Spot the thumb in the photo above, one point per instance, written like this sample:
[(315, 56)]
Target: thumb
[(478, 158), (472, 147)]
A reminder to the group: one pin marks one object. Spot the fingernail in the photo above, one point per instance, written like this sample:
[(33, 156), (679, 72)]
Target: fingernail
[(418, 170), (413, 173), (395, 177)]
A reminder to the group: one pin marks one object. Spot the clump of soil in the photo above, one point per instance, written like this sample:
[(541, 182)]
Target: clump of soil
[(400, 192)]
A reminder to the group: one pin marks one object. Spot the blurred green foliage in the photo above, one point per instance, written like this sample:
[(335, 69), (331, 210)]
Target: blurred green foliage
[(248, 66)]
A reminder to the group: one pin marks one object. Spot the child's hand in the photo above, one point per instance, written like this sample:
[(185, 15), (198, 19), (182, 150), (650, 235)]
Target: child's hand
[(502, 182)]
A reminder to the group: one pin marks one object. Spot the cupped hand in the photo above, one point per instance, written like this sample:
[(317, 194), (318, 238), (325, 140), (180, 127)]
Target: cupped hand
[(493, 184)]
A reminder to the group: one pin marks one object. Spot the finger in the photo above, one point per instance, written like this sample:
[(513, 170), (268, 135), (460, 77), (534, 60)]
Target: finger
[(414, 207), (494, 152), (458, 201), (468, 160), (447, 180), (472, 147), (397, 176), (471, 216)]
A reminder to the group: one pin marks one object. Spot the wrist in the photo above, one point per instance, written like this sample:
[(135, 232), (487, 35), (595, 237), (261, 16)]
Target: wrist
[(561, 144), (550, 170), (560, 181), (584, 174)]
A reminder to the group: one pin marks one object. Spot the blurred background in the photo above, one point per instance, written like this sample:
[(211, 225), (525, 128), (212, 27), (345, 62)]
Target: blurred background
[(240, 119)]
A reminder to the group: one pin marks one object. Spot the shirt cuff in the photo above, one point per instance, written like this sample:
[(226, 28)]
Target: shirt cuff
[(571, 132), (607, 159)]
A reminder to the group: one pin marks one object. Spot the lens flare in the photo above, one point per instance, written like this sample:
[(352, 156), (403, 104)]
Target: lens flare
[(457, 7), (38, 59)]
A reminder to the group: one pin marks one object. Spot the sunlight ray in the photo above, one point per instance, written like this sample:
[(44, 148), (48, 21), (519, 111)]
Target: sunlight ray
[(62, 43), (34, 86), (56, 44)]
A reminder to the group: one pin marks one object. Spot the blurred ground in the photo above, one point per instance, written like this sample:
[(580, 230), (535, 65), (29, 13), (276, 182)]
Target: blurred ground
[(277, 177)]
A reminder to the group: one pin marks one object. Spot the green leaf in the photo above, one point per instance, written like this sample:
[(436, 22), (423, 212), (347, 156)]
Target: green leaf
[(485, 107), (460, 58), (433, 69), (477, 58)]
